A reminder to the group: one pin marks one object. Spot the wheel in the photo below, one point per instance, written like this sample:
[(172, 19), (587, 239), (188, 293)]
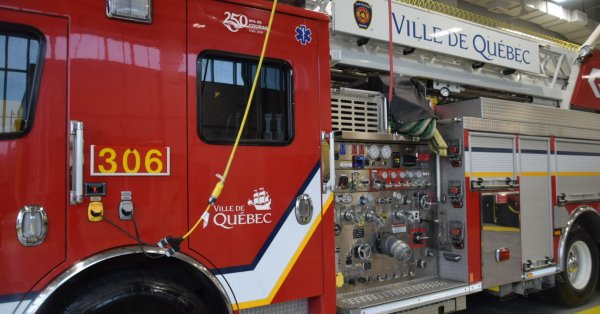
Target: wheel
[(132, 291), (580, 274)]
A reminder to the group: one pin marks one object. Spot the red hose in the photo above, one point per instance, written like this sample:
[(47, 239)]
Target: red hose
[(391, 89)]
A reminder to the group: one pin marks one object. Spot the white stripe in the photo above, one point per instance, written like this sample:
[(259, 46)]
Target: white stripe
[(14, 307), (257, 284)]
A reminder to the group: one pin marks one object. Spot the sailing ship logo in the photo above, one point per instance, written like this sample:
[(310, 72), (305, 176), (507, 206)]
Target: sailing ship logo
[(261, 200)]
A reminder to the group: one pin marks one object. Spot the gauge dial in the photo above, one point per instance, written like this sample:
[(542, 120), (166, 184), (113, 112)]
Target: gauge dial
[(402, 174), (373, 151), (411, 174), (419, 173), (393, 175), (386, 151), (384, 175)]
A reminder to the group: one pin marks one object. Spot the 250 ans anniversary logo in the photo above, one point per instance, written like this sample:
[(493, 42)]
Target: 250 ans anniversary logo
[(230, 216)]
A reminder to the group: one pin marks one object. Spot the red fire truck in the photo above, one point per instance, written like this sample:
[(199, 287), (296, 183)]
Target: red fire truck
[(117, 115)]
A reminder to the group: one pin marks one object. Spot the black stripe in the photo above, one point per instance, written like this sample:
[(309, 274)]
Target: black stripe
[(17, 297), (491, 150), (288, 211), (577, 153), (534, 151)]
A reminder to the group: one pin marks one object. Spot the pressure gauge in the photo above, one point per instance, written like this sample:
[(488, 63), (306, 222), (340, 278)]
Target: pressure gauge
[(411, 174), (384, 175), (393, 175), (419, 174), (402, 174), (386, 151), (373, 152)]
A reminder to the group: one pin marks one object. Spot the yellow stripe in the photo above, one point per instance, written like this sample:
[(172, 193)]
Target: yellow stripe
[(578, 174), (536, 174), (494, 288), (491, 174), (290, 265), (501, 229), (593, 310)]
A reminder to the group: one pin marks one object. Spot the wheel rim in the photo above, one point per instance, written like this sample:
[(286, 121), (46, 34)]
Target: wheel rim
[(579, 265)]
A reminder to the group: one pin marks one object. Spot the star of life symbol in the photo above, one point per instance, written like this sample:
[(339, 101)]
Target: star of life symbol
[(303, 34), (594, 80)]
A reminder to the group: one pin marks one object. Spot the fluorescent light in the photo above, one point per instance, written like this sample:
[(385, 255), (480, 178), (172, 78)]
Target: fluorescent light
[(446, 32)]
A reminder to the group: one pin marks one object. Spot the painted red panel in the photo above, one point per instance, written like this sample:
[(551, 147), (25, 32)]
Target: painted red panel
[(126, 83), (34, 168), (587, 87), (279, 171), (133, 85), (326, 303), (473, 233)]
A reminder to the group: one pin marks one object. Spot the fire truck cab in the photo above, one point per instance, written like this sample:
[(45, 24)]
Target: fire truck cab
[(120, 116)]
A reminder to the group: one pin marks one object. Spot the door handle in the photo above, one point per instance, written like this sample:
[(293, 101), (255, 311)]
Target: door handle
[(76, 162)]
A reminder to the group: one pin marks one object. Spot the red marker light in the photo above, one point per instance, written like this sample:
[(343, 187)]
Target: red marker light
[(502, 254)]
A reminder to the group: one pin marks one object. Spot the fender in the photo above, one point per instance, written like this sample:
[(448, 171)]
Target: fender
[(78, 267), (567, 229)]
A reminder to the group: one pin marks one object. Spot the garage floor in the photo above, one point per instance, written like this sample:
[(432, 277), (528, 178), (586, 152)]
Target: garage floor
[(482, 303)]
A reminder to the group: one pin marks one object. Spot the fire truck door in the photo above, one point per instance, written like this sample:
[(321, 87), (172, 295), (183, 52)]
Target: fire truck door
[(536, 203), (33, 148), (263, 233)]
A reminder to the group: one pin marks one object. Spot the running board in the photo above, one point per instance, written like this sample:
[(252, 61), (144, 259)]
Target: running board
[(401, 297)]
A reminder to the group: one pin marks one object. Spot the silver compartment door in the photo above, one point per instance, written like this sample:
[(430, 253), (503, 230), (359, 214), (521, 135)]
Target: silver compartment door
[(500, 230), (536, 204), (578, 170), (493, 157)]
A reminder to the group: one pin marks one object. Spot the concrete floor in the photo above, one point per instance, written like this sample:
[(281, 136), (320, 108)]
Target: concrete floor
[(482, 303)]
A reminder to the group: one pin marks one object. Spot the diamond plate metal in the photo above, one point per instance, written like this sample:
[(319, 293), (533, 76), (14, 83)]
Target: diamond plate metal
[(291, 307), (484, 114), (393, 292), (357, 111)]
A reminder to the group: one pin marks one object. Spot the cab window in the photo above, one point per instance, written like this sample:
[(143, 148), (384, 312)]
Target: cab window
[(20, 59), (224, 84)]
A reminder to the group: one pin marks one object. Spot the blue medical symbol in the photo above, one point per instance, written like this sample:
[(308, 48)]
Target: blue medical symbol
[(303, 34)]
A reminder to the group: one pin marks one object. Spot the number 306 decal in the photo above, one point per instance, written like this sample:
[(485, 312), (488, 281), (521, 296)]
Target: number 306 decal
[(130, 161)]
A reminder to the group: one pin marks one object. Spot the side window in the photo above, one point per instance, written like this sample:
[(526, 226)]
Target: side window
[(224, 84), (20, 58)]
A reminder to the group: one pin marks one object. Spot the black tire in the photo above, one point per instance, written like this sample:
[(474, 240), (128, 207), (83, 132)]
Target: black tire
[(133, 291), (575, 288)]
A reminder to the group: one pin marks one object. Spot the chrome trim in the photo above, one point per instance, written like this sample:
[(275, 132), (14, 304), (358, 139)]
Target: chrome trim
[(577, 198), (76, 268), (541, 273), (76, 162), (331, 185), (567, 229), (375, 137), (304, 209), (37, 211), (129, 18)]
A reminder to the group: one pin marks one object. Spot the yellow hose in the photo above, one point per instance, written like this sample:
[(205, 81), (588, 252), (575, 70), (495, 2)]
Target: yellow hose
[(221, 184)]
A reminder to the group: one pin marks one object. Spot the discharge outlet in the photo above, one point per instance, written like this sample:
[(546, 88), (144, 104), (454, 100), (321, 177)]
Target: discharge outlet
[(390, 245)]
